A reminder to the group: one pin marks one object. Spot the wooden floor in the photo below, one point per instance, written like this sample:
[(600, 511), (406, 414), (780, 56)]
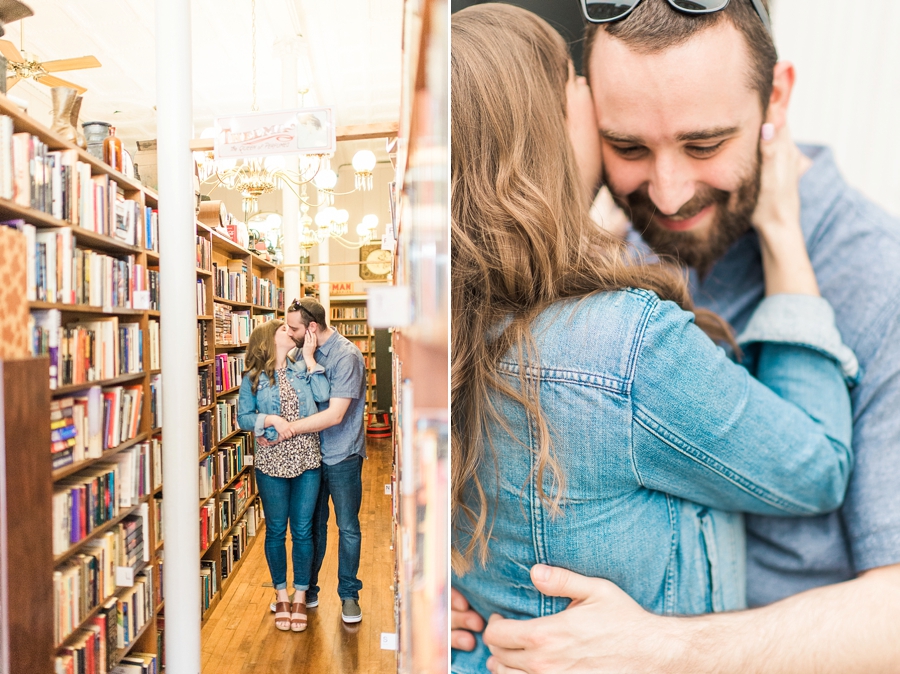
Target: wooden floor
[(240, 636)]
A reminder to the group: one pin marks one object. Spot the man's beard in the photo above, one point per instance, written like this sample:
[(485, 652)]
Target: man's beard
[(733, 213)]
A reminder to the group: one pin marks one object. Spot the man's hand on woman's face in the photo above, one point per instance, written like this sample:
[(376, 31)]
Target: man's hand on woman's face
[(463, 621), (583, 132)]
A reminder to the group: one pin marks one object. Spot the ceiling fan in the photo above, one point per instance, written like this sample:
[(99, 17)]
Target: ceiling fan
[(22, 65)]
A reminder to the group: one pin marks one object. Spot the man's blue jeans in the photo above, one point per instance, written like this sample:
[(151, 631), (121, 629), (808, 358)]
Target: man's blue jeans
[(343, 482), (289, 499)]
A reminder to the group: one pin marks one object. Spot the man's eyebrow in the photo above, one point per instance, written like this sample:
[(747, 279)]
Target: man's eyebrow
[(707, 134), (685, 137), (616, 137)]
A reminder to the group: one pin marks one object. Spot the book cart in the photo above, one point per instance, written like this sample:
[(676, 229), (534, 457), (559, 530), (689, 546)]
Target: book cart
[(236, 291), (88, 494), (421, 361)]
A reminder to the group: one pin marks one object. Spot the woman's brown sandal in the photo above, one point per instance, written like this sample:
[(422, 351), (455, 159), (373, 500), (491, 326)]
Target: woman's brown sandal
[(298, 616), (283, 620)]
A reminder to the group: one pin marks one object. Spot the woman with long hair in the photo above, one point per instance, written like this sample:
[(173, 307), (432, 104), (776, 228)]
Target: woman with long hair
[(275, 390), (595, 424)]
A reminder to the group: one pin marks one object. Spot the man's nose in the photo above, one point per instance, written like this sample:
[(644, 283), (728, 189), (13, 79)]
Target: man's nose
[(671, 186)]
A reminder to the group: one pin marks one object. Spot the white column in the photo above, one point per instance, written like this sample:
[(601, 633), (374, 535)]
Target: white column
[(289, 50), (324, 276), (178, 334)]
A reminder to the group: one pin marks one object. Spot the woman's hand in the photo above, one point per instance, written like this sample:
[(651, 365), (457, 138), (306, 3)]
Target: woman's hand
[(310, 343), (583, 131), (777, 217), (282, 426)]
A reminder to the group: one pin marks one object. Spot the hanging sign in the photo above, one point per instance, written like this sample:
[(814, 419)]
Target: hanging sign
[(260, 134)]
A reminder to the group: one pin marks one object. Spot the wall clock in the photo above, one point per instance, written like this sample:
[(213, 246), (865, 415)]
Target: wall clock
[(374, 263)]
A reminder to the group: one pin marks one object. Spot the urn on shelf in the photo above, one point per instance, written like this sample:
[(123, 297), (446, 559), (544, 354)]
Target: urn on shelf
[(95, 133)]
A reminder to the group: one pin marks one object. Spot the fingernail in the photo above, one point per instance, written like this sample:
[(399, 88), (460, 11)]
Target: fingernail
[(540, 572), (768, 131)]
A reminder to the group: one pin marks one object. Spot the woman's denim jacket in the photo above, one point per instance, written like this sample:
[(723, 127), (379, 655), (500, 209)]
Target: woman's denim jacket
[(311, 387), (663, 442)]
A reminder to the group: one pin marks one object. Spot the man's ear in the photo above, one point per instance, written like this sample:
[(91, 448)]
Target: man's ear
[(782, 87), (313, 327)]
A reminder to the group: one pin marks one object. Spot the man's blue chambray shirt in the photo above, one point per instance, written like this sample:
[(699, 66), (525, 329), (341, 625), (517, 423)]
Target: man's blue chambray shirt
[(345, 370), (855, 250)]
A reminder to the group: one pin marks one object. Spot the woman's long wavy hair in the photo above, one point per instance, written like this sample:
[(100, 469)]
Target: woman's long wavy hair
[(522, 239), (261, 352)]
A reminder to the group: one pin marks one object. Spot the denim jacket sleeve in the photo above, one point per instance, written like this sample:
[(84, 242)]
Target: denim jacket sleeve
[(318, 382), (312, 385), (705, 430), (249, 417), (802, 320)]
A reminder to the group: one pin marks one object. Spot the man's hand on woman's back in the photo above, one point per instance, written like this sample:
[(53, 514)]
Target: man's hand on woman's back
[(463, 621)]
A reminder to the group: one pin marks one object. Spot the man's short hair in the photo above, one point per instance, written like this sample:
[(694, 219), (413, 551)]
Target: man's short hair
[(310, 311), (655, 26)]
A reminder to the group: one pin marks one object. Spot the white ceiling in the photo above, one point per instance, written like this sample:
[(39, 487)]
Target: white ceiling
[(347, 51)]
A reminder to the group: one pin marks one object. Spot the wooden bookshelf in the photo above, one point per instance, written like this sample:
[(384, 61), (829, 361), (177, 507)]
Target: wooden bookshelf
[(221, 251), (348, 317), (140, 261)]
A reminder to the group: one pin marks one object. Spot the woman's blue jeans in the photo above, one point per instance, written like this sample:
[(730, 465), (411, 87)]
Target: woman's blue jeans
[(289, 499)]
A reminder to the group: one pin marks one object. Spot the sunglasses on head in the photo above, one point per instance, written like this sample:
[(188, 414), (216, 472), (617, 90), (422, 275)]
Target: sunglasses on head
[(605, 11), (296, 306)]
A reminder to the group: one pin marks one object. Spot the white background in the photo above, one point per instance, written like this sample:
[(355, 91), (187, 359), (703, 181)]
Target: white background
[(847, 96)]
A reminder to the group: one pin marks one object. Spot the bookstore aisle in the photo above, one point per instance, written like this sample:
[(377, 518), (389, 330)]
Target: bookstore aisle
[(239, 636)]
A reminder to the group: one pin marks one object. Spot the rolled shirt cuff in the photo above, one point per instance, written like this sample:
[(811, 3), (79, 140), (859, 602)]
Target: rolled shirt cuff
[(803, 320), (259, 427)]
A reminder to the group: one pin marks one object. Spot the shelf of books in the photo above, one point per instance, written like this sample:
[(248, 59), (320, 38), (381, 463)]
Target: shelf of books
[(236, 291), (92, 278), (348, 317), (421, 349)]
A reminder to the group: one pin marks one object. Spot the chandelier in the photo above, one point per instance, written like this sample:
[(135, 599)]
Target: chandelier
[(332, 224)]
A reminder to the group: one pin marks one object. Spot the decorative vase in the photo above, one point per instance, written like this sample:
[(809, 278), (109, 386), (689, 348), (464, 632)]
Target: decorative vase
[(112, 150), (63, 99), (79, 131), (95, 133)]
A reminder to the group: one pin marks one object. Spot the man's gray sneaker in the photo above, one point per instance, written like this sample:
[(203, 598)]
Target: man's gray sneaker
[(350, 611)]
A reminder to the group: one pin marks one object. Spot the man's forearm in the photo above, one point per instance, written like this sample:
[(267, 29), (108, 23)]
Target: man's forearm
[(848, 628), (315, 422)]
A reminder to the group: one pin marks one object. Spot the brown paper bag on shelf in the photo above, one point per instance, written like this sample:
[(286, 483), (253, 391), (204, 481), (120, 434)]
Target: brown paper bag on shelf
[(13, 305)]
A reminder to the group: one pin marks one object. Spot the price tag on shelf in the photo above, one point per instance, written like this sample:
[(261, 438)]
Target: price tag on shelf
[(388, 306), (140, 299), (389, 641), (387, 490), (124, 576)]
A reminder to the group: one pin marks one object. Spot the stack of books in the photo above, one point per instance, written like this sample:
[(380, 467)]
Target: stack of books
[(226, 416), (207, 525), (229, 370), (231, 281)]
